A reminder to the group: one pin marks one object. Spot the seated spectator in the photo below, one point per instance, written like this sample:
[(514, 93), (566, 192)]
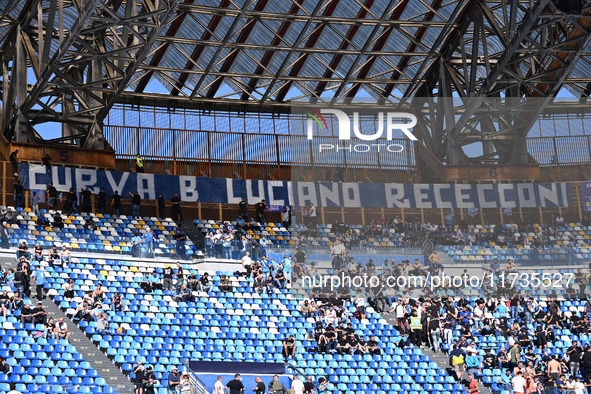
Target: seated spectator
[(225, 285), (192, 282), (205, 282), (38, 252), (61, 329), (330, 316), (102, 324), (39, 314), (83, 312), (54, 259), (155, 281), (373, 346), (184, 294), (280, 279), (49, 328), (23, 251), (98, 293), (89, 224), (58, 222), (26, 314), (117, 302), (42, 221), (16, 302), (270, 284), (259, 284), (289, 347), (68, 289), (304, 309), (65, 256), (4, 366), (417, 268), (145, 283)]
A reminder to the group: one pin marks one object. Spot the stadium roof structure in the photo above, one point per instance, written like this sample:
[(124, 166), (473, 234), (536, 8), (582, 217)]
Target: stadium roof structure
[(262, 55)]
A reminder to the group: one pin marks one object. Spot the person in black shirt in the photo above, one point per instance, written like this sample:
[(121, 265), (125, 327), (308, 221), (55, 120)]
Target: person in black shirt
[(289, 347), (180, 277), (260, 388), (180, 239), (309, 386), (116, 203), (46, 160), (4, 367), (58, 222), (19, 194), (54, 257), (86, 200), (51, 195), (26, 314), (70, 203), (161, 207), (14, 160), (176, 208), (136, 200), (235, 386), (149, 381), (243, 209), (373, 347), (489, 360), (167, 278), (39, 314), (261, 207), (102, 201), (575, 352), (138, 371)]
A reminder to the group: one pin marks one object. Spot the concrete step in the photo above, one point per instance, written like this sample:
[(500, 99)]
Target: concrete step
[(97, 359)]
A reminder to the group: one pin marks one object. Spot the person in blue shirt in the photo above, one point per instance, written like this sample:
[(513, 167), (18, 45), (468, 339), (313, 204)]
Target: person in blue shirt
[(495, 266), (39, 281), (287, 267), (174, 380), (149, 241), (155, 280), (136, 242)]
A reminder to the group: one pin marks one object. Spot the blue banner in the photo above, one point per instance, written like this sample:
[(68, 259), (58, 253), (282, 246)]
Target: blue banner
[(282, 193)]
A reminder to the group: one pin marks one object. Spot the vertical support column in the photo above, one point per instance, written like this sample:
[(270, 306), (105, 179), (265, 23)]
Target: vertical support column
[(4, 182), (21, 87), (579, 207)]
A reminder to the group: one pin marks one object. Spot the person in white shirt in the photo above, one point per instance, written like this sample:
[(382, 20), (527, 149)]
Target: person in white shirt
[(247, 263), (331, 316), (297, 385), (360, 303), (218, 387), (518, 383), (478, 315), (579, 386)]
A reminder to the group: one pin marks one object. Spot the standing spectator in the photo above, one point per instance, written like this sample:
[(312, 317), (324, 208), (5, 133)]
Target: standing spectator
[(167, 277), (360, 301), (4, 236), (139, 373), (276, 387), (235, 386), (70, 203), (175, 201), (247, 264), (180, 277), (149, 381), (218, 387), (309, 386), (18, 282), (61, 329), (286, 217), (19, 194), (116, 203), (46, 160), (51, 195), (312, 214), (472, 385), (261, 207), (102, 201), (149, 241), (297, 385), (260, 387), (518, 383), (139, 164), (185, 386), (243, 209), (161, 207), (136, 200), (35, 202), (174, 380), (14, 161), (86, 200), (180, 239), (39, 282), (136, 242)]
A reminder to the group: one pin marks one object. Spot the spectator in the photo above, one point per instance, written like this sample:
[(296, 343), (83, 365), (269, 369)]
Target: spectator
[(69, 289), (185, 386), (65, 255), (136, 200), (259, 284), (175, 201), (14, 160), (53, 258), (116, 203), (260, 387), (275, 386), (247, 263), (19, 194), (4, 236), (86, 200), (4, 366), (204, 282), (518, 383), (16, 302), (117, 302), (149, 241), (289, 347), (167, 277), (161, 206), (180, 239), (149, 381), (26, 314), (234, 386), (174, 380), (23, 251), (139, 164), (139, 372), (297, 385), (39, 282), (19, 281), (46, 161), (360, 302), (145, 283), (261, 208), (218, 387), (102, 324), (38, 252), (243, 207), (472, 385), (101, 201), (51, 195), (49, 329), (373, 346), (70, 203), (35, 202), (286, 217), (225, 285)]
